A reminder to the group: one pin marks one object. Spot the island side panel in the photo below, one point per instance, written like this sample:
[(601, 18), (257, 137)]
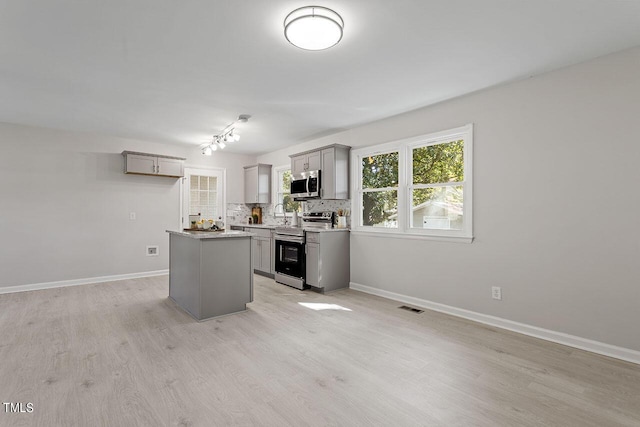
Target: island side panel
[(184, 273), (226, 276)]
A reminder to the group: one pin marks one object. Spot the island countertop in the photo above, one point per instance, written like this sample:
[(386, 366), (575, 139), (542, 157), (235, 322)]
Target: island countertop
[(211, 234)]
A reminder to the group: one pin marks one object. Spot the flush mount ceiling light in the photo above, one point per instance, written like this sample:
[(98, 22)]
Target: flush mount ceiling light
[(228, 134), (313, 28)]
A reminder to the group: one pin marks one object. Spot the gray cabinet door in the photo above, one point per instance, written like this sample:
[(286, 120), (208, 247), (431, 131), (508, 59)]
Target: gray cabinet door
[(257, 184), (265, 255), (264, 184), (298, 164), (314, 161), (306, 162), (141, 164), (313, 264), (328, 174), (251, 185), (170, 167)]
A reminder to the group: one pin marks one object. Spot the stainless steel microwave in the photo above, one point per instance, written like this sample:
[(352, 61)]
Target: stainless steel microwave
[(305, 185)]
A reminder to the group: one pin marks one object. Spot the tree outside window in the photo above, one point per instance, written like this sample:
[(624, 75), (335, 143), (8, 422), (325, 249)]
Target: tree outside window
[(283, 193), (380, 190)]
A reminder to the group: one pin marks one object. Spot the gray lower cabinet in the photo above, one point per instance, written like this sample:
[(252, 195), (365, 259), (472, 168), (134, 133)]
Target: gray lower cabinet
[(327, 260), (262, 250)]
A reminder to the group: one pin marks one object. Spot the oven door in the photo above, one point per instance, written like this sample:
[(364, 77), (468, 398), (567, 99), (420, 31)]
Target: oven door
[(290, 258), (299, 187)]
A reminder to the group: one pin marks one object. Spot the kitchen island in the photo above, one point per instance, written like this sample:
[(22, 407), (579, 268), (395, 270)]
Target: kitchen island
[(210, 273)]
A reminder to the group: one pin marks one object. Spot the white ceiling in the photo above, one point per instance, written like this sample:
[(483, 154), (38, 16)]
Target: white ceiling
[(180, 70)]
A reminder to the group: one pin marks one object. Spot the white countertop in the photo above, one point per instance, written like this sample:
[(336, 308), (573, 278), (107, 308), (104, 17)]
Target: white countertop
[(323, 230), (273, 227), (211, 234)]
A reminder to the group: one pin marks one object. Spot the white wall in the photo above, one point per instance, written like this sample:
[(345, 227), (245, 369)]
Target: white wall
[(65, 204), (556, 208)]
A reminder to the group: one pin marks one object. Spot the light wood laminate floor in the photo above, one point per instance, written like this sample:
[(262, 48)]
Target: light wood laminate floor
[(122, 354)]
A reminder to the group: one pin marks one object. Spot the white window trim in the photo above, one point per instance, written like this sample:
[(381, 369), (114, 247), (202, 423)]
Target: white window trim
[(275, 185), (405, 148)]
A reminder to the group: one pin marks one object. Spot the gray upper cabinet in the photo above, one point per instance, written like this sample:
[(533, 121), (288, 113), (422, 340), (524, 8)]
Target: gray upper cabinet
[(257, 184), (333, 162), (153, 164), (335, 172), (311, 161)]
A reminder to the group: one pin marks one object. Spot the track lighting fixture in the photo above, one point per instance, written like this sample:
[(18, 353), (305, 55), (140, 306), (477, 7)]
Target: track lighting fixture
[(227, 135)]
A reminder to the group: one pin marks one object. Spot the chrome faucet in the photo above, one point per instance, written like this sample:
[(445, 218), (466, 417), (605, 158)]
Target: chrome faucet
[(284, 211)]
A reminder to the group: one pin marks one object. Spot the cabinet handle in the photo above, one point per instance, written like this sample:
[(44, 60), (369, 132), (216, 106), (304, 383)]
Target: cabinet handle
[(158, 169)]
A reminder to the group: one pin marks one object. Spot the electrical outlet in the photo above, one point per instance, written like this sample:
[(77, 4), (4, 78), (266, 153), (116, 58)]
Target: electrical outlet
[(132, 216), (152, 251), (496, 292)]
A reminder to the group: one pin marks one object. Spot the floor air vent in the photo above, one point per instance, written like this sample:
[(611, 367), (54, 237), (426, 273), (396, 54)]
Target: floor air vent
[(414, 310)]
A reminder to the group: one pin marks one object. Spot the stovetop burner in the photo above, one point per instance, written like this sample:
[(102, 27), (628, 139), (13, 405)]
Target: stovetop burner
[(322, 219)]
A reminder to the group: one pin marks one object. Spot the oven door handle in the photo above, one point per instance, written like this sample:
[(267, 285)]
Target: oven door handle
[(290, 239)]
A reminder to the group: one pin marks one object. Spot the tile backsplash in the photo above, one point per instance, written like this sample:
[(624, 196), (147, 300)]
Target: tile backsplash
[(239, 213)]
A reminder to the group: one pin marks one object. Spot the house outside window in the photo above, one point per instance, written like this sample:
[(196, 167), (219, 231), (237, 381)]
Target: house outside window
[(418, 187), (282, 184)]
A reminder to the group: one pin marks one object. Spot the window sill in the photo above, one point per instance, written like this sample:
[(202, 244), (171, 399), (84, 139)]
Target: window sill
[(412, 236)]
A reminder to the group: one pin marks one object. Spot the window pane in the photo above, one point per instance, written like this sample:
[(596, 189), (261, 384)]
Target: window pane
[(193, 179), (286, 181), (438, 208), (284, 196), (380, 209), (380, 171), (290, 205), (439, 163), (204, 198)]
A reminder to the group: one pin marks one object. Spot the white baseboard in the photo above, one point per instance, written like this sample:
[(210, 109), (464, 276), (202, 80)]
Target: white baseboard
[(545, 334), (76, 282)]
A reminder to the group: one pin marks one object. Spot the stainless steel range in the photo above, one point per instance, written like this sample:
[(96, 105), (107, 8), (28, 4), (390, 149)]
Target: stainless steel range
[(290, 248), (290, 265)]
